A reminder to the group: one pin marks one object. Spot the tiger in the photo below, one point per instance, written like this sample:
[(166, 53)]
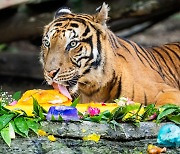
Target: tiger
[(81, 55)]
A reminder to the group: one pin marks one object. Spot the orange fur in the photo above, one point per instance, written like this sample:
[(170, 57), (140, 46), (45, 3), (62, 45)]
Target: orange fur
[(79, 51)]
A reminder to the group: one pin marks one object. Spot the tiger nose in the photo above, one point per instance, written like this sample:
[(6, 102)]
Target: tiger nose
[(52, 73)]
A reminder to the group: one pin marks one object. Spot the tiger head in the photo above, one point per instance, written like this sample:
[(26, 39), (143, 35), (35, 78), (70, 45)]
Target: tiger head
[(73, 51)]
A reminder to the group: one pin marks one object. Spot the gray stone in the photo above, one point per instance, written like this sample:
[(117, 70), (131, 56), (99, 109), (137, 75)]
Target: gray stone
[(124, 131), (125, 139)]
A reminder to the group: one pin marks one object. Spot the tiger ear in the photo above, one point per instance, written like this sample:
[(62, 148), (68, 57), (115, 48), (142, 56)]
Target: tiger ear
[(102, 14), (62, 11)]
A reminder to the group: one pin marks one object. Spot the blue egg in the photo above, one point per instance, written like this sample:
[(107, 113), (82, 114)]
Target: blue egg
[(169, 135), (66, 112)]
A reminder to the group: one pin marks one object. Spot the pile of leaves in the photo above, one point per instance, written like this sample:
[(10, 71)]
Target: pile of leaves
[(18, 122), (135, 113)]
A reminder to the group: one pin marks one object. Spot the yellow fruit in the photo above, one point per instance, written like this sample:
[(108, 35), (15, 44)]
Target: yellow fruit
[(45, 98), (48, 98)]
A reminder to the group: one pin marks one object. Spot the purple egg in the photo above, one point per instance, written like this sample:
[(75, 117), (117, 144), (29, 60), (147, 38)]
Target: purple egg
[(66, 112)]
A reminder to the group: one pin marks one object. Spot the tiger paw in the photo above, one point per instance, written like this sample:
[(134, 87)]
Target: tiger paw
[(171, 97)]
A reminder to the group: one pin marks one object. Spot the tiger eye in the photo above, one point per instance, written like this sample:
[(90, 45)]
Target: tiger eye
[(46, 43), (73, 43)]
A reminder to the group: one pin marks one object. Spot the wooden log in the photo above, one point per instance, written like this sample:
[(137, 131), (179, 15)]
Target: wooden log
[(128, 8), (123, 15), (22, 26), (21, 65)]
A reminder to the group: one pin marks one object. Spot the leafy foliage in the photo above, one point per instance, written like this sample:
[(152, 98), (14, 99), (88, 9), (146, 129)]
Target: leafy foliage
[(12, 122), (135, 113), (17, 122), (75, 102), (6, 135), (17, 95), (169, 112), (38, 110)]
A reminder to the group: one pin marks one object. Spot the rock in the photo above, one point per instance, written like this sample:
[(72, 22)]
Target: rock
[(127, 138), (123, 132)]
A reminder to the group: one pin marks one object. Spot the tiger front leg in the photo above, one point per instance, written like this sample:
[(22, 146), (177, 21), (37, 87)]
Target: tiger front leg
[(168, 97)]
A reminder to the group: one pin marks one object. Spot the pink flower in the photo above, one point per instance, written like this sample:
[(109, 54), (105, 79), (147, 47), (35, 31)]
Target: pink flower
[(124, 101), (13, 103), (152, 117), (129, 101), (93, 111)]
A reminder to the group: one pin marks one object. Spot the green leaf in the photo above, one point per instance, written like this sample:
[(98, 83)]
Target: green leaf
[(137, 124), (165, 113), (107, 114), (41, 113), (132, 107), (60, 118), (21, 125), (6, 135), (75, 102), (175, 119), (17, 130), (53, 118), (38, 110), (22, 112), (149, 110), (170, 106), (118, 113), (4, 110), (104, 118), (17, 95), (11, 131), (80, 114), (5, 119), (33, 125), (114, 124), (35, 107), (96, 118)]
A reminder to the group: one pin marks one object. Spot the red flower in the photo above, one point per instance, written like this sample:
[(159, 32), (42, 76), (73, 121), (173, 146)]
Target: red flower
[(93, 111)]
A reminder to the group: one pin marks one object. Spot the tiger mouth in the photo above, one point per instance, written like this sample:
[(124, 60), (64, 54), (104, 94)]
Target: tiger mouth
[(64, 87)]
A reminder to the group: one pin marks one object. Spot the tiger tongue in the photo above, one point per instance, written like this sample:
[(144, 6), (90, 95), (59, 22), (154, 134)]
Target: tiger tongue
[(62, 89)]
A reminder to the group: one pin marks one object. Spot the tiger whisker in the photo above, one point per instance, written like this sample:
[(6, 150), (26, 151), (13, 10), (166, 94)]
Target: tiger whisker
[(72, 82), (76, 77), (75, 95)]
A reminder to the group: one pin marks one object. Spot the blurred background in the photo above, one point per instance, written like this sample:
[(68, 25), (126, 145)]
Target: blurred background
[(147, 22)]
